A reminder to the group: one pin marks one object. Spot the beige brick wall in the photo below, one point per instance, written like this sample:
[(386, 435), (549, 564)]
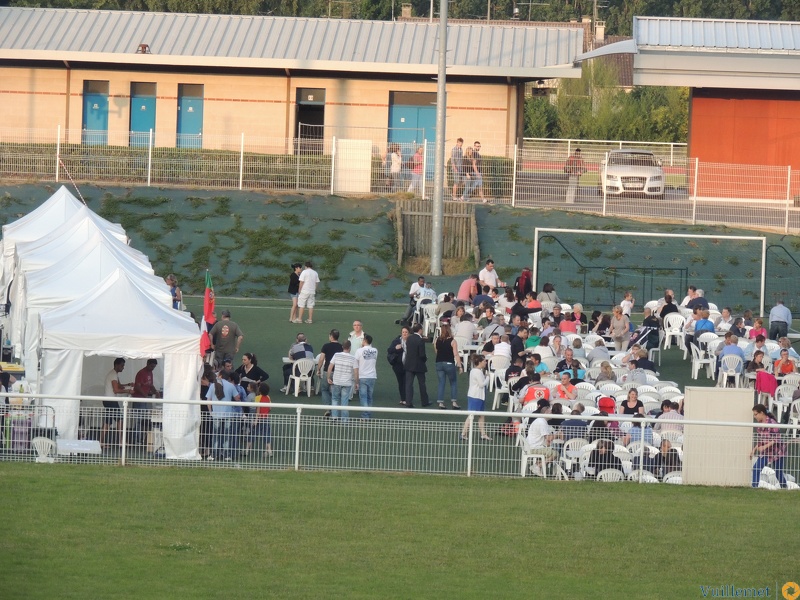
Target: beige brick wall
[(259, 106)]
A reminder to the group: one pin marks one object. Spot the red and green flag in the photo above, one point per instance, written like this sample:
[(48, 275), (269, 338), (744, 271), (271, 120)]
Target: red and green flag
[(209, 318)]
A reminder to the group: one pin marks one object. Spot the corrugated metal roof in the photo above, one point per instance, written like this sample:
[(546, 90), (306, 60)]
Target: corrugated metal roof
[(284, 42), (717, 35)]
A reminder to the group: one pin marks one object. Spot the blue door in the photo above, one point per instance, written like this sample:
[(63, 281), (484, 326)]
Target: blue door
[(412, 119), (95, 113), (190, 116), (143, 113)]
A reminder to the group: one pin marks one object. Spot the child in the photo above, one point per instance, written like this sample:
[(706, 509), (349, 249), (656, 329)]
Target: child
[(476, 395), (261, 428)]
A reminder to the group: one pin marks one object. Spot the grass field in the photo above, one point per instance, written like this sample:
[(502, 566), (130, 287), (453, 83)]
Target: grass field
[(171, 533)]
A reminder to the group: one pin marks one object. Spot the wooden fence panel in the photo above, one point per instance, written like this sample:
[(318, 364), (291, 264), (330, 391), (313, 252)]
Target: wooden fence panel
[(415, 224)]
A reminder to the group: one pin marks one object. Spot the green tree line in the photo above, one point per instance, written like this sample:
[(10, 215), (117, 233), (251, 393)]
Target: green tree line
[(618, 14), (595, 107)]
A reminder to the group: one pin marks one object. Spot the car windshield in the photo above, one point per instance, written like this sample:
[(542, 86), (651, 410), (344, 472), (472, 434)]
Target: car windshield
[(635, 160)]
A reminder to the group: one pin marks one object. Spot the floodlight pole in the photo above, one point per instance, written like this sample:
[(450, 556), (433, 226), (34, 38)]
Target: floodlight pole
[(438, 175)]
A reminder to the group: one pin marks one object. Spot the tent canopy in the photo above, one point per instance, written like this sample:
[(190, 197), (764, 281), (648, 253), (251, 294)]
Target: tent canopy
[(119, 318)]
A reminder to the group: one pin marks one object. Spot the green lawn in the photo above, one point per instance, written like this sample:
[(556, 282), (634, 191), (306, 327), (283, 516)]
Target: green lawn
[(102, 532)]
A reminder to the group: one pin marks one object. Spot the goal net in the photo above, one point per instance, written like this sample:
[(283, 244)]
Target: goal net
[(596, 268)]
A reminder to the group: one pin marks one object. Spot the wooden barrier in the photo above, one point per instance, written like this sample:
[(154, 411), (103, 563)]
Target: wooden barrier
[(415, 224)]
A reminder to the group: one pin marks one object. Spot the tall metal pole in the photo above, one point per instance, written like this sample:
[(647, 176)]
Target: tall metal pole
[(438, 175)]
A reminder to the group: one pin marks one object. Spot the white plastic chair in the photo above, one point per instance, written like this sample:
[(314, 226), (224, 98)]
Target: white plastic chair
[(651, 353), (513, 401), (674, 477), (548, 306), (611, 475), (494, 365), (45, 449), (642, 476), (429, 321), (700, 361), (652, 305), (572, 451), (650, 406), (673, 329), (528, 457), (730, 366), (794, 416), (609, 388), (792, 379), (302, 372)]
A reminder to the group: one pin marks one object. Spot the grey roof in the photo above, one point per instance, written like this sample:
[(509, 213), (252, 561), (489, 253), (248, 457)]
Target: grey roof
[(717, 35), (284, 42)]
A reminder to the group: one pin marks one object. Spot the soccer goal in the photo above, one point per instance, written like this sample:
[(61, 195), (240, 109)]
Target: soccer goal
[(596, 268)]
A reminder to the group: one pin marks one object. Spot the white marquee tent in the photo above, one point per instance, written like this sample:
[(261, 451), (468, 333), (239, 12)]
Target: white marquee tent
[(70, 279), (120, 319), (82, 228), (38, 224)]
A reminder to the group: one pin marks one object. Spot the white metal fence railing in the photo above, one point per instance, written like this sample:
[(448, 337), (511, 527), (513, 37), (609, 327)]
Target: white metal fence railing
[(301, 437), (531, 175)]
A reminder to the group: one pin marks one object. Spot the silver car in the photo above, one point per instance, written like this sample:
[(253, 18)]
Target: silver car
[(635, 172)]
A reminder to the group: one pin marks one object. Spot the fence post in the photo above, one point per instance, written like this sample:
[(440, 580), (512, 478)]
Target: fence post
[(333, 162), (603, 183), (241, 162), (124, 435), (58, 152), (424, 166), (671, 153), (297, 440), (297, 154), (694, 191), (514, 180), (149, 157), (788, 197), (641, 451), (471, 421)]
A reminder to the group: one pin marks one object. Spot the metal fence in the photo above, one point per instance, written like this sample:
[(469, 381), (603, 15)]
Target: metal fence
[(531, 175), (300, 437)]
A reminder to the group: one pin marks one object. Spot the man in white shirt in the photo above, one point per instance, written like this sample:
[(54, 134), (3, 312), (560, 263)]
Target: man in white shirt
[(356, 337), (306, 296), (413, 296), (367, 374), (488, 276), (541, 436), (114, 388), (342, 377), (503, 347)]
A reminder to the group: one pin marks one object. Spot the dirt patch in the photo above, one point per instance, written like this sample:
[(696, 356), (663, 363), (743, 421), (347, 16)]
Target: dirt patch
[(450, 266)]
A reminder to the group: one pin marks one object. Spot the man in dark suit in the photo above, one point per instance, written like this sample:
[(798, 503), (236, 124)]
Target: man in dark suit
[(414, 360), (395, 357)]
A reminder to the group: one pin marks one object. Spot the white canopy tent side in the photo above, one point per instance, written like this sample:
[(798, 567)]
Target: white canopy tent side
[(119, 319), (49, 218), (68, 280), (83, 227), (55, 211)]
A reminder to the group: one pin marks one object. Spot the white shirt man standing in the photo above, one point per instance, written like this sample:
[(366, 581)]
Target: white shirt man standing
[(306, 295), (367, 373), (488, 276)]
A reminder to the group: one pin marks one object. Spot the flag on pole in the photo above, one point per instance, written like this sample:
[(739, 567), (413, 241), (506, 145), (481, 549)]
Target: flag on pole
[(208, 316)]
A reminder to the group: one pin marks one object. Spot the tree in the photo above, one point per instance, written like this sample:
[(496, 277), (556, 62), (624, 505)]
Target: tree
[(541, 118)]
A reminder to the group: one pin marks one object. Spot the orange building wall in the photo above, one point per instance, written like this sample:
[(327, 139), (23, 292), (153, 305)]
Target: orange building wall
[(745, 127)]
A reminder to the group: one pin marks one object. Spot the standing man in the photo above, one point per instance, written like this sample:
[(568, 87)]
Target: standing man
[(477, 177), (574, 168), (342, 376), (780, 318), (367, 374), (143, 387), (414, 360), (356, 337), (226, 338), (114, 389), (306, 298), (457, 166), (327, 352), (488, 276), (394, 355)]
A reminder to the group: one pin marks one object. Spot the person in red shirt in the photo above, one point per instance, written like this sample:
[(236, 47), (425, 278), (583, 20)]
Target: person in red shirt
[(262, 429), (143, 388), (565, 389)]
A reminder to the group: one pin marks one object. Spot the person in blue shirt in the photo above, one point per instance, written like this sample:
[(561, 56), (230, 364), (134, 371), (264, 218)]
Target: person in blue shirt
[(702, 325), (222, 390), (780, 318)]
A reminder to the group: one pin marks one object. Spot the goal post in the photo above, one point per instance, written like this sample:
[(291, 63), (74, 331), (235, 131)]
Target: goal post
[(596, 267)]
